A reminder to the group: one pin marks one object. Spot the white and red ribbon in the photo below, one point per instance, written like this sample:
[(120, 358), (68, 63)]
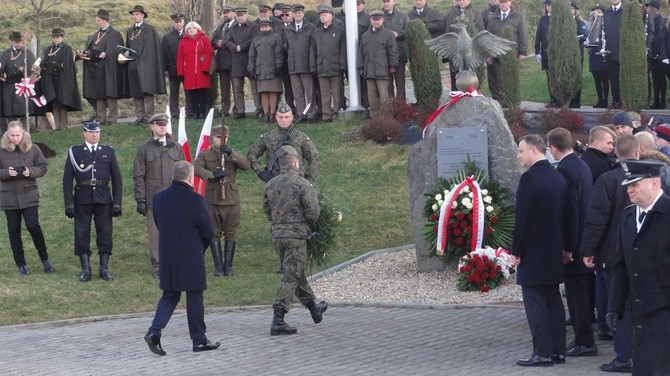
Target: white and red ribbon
[(24, 88), (455, 97), (40, 101), (477, 211)]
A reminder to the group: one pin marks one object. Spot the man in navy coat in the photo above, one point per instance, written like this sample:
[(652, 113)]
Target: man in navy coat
[(185, 232), (579, 280), (641, 268), (537, 246)]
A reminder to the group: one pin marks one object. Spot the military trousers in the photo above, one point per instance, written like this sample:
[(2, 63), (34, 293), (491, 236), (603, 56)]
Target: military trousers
[(144, 107), (226, 220), (101, 215), (398, 78), (174, 97), (225, 88), (106, 110), (238, 95), (331, 94), (152, 231), (377, 92), (303, 93), (294, 256)]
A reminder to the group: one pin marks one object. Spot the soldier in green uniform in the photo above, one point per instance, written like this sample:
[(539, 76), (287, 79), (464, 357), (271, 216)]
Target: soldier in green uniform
[(218, 165), (268, 144), (292, 206)]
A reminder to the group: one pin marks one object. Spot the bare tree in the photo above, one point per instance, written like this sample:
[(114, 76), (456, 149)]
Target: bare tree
[(37, 10), (191, 9)]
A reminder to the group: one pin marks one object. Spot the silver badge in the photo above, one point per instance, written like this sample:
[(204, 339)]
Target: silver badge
[(624, 166)]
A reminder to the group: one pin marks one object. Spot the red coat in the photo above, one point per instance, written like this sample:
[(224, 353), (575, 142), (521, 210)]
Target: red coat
[(193, 59)]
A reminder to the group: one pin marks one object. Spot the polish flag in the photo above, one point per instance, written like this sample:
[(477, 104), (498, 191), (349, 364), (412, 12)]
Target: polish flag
[(203, 144), (169, 126), (181, 135)]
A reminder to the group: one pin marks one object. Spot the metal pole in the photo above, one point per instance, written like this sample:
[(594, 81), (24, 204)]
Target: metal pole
[(351, 15), (25, 75)]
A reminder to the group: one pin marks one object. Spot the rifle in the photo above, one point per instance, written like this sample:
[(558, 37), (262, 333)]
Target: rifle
[(266, 175)]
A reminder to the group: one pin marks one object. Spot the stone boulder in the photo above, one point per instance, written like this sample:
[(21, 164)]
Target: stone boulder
[(422, 162)]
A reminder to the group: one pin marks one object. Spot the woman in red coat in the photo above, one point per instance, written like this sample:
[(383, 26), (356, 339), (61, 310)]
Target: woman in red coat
[(193, 59)]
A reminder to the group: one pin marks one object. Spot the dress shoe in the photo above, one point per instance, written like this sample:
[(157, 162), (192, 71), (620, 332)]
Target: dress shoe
[(154, 344), (605, 335), (23, 270), (579, 350), (240, 116), (535, 361), (616, 366), (209, 345), (48, 268), (558, 359)]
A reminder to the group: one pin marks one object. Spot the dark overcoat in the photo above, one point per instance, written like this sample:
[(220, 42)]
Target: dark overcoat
[(598, 162), (641, 277), (539, 230), (185, 232), (612, 27), (59, 77), (169, 46), (223, 55), (11, 104), (431, 18), (298, 43), (240, 35), (103, 78), (145, 75), (328, 53)]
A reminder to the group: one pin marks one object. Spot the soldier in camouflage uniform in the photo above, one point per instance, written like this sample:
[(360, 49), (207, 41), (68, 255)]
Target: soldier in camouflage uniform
[(292, 206), (222, 195), (285, 134)]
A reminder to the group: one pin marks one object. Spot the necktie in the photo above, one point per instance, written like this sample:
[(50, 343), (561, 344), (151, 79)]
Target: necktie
[(504, 15), (641, 216), (299, 26), (419, 11), (93, 149)]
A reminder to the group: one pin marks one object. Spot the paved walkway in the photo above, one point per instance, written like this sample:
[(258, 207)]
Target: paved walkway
[(351, 340)]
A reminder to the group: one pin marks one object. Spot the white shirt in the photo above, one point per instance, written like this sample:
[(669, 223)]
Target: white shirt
[(504, 15), (91, 147), (639, 209)]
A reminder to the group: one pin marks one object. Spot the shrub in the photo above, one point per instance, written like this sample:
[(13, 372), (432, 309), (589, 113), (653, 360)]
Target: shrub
[(564, 118), (382, 128), (424, 66), (399, 110), (632, 64), (510, 73), (515, 121), (564, 74)]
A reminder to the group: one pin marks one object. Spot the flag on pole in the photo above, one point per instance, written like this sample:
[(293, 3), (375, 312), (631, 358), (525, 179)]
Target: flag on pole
[(169, 126), (181, 135), (203, 144)]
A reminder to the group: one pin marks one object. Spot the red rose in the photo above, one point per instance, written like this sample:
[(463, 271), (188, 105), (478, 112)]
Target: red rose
[(468, 268), (485, 275), (454, 224), (484, 288), (485, 258), (461, 269), (460, 216), (433, 217), (464, 224), (458, 241), (470, 216), (468, 230), (488, 231), (470, 278), (457, 232), (494, 219)]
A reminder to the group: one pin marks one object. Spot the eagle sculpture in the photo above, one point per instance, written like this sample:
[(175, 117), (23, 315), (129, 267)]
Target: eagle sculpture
[(467, 53)]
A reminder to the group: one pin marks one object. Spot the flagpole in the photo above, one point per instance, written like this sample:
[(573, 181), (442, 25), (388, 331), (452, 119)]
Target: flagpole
[(25, 75)]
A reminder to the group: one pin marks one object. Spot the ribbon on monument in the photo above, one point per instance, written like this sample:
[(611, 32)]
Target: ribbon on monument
[(478, 210), (455, 97)]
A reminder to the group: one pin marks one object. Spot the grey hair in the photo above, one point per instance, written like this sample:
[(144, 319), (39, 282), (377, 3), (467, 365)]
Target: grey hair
[(182, 170)]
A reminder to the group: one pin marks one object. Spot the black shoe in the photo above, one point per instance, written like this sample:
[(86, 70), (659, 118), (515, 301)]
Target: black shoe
[(154, 344), (558, 359), (240, 116), (48, 268), (317, 310), (209, 345), (535, 361), (578, 350), (605, 335), (616, 366), (23, 270)]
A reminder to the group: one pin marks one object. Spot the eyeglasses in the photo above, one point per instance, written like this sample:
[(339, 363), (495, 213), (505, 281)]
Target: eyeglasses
[(285, 15)]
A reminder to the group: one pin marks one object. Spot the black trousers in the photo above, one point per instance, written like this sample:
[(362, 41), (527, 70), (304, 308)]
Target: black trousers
[(398, 78), (546, 319), (195, 314), (101, 214), (174, 97), (659, 84), (31, 216), (198, 100), (613, 78), (602, 85), (578, 294), (494, 75)]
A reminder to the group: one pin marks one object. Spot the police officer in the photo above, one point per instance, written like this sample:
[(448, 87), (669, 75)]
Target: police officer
[(292, 206), (268, 144), (218, 165), (93, 166)]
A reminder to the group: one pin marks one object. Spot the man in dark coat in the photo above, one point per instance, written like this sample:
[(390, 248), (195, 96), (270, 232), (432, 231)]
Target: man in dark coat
[(287, 20), (224, 57), (169, 46), (431, 18), (185, 232), (537, 247), (145, 77), (542, 46), (657, 57), (579, 280), (396, 21), (58, 83), (598, 155), (641, 266), (93, 166), (298, 41), (237, 41), (612, 34), (377, 60), (599, 236), (12, 70), (103, 76)]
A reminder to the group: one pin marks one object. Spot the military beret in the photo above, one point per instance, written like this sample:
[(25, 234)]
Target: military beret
[(325, 9), (622, 118), (264, 6), (264, 22), (663, 131), (654, 3), (297, 7), (57, 32), (159, 118), (287, 150), (177, 17), (241, 10), (376, 14), (637, 170), (91, 126), (104, 14)]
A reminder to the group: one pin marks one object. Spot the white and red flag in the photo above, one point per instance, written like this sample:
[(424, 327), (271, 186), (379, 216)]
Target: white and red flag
[(203, 144), (181, 135)]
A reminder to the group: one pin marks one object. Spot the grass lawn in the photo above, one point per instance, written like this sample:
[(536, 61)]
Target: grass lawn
[(367, 182)]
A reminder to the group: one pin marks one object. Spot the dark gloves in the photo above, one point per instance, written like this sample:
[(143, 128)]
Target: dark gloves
[(218, 175), (611, 319), (69, 211), (391, 71), (252, 75), (116, 211), (265, 175), (142, 207), (226, 149)]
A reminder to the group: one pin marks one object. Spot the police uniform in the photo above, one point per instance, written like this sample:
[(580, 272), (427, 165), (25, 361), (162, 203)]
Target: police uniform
[(93, 167)]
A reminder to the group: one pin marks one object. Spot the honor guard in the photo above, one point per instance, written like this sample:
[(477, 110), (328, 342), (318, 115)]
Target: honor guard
[(92, 166)]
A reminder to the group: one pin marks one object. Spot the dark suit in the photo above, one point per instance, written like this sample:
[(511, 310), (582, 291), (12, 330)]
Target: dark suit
[(92, 199), (185, 232), (612, 29), (579, 280), (539, 241), (169, 46), (641, 277)]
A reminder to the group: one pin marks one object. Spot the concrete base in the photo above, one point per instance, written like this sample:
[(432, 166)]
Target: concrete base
[(361, 114)]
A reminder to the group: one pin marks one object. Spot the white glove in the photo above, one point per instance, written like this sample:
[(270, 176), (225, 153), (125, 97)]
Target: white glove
[(538, 57), (665, 61)]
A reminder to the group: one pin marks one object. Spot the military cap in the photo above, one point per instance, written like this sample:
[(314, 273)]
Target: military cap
[(622, 118), (241, 10), (285, 8), (15, 36), (287, 150), (159, 118), (91, 126), (376, 14), (283, 107), (139, 8), (277, 6), (637, 170), (663, 131), (226, 9), (218, 130), (547, 2), (325, 9), (264, 22), (264, 6), (177, 17), (574, 4), (297, 7), (104, 14), (654, 3), (57, 32), (598, 6)]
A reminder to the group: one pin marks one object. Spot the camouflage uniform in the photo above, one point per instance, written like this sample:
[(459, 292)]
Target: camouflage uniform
[(267, 144), (291, 203)]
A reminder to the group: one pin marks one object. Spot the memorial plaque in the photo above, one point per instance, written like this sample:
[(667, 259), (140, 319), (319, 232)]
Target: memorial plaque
[(454, 145)]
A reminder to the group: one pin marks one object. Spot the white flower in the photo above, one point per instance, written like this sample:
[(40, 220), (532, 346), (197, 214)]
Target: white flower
[(470, 195), (435, 207), (440, 202), (466, 189), (485, 192), (488, 199), (466, 201), (468, 205), (454, 205), (489, 209), (438, 197), (446, 193)]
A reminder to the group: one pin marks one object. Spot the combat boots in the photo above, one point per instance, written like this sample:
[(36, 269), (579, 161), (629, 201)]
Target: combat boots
[(317, 310), (218, 257), (228, 254), (104, 261), (279, 326), (85, 268)]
